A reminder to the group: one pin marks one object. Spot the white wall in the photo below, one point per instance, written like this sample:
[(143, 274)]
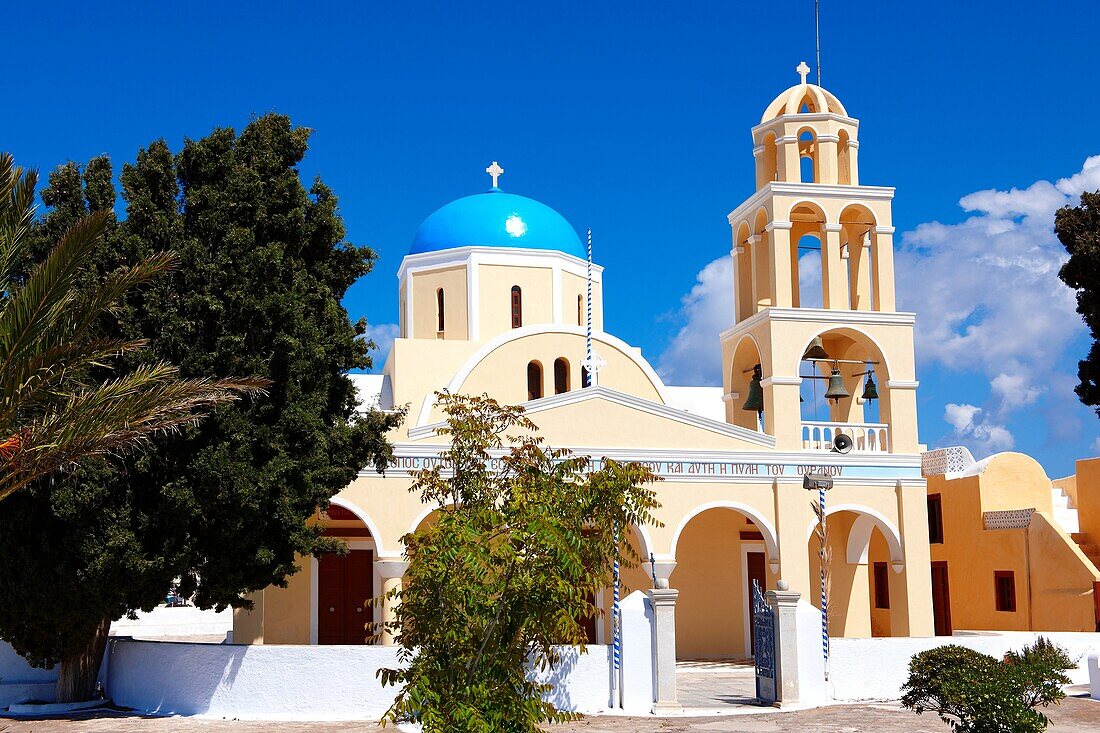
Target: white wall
[(273, 682), (638, 672), (177, 621), (20, 682), (875, 669)]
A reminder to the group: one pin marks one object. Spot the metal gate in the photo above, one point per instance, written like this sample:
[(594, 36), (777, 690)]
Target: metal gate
[(763, 633)]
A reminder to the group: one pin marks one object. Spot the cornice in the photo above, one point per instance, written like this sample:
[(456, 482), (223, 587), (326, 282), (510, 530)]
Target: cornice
[(810, 191)]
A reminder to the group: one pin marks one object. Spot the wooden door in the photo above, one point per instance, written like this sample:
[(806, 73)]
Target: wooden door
[(941, 599), (755, 572), (344, 587)]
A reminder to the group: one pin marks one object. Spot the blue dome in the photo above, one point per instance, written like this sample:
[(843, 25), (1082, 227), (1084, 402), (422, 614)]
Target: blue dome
[(497, 219)]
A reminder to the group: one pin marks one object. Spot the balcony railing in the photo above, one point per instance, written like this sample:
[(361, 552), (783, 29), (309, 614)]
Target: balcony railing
[(866, 437)]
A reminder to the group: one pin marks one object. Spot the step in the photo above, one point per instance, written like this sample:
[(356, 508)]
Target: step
[(1064, 515)]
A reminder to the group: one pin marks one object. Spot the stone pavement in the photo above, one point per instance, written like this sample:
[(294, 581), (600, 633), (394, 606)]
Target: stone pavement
[(1073, 715)]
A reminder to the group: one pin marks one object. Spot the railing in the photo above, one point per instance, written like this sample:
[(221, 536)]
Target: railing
[(866, 437)]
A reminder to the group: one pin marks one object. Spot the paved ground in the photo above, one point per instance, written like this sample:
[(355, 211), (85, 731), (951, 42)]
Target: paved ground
[(1073, 715)]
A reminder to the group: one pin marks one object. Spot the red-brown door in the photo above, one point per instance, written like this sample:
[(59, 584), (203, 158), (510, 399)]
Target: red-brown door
[(756, 572), (941, 599), (344, 588)]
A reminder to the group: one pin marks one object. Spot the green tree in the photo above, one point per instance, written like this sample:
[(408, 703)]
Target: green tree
[(975, 693), (58, 404), (1078, 229), (510, 569), (221, 506)]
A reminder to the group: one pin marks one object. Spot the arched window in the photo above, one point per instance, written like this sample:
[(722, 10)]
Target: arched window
[(439, 322), (534, 380), (807, 152), (580, 310), (584, 377), (517, 307), (561, 375)]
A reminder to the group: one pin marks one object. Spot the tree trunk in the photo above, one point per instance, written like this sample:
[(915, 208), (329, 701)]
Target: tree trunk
[(79, 671)]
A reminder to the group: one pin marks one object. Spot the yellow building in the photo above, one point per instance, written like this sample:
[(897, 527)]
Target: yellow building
[(1012, 550), (494, 299)]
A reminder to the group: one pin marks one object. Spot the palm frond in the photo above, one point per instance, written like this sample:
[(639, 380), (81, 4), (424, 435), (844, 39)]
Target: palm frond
[(112, 418)]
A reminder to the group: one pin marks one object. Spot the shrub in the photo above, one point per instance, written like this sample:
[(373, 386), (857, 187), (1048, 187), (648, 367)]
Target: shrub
[(975, 693)]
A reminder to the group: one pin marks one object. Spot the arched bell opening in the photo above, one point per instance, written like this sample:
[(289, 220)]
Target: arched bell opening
[(858, 244), (844, 383), (809, 165), (743, 272), (807, 224), (745, 403)]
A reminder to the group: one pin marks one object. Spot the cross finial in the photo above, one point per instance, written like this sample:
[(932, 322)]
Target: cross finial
[(803, 71), (495, 171)]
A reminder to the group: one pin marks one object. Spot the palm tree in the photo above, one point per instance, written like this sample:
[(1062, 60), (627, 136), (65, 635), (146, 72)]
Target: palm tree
[(56, 408)]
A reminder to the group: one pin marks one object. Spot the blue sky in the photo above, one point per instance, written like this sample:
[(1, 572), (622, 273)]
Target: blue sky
[(633, 118)]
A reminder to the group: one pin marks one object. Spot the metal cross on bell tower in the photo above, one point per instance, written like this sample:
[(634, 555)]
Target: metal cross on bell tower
[(495, 171)]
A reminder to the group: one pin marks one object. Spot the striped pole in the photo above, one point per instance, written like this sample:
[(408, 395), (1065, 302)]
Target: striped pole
[(824, 598), (616, 628), (588, 320)]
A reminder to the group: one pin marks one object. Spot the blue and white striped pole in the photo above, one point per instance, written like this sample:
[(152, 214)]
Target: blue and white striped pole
[(616, 629), (588, 321), (824, 598)]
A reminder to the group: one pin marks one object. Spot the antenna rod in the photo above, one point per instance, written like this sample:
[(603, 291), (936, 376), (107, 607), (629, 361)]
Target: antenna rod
[(817, 37)]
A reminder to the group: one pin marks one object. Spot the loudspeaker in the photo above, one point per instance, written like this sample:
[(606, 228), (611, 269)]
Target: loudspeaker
[(842, 443)]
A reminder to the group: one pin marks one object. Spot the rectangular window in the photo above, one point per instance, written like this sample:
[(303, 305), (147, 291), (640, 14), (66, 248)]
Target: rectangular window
[(882, 585), (935, 519), (1004, 584)]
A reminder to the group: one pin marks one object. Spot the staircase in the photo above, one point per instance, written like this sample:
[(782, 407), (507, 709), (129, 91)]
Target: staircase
[(1064, 513)]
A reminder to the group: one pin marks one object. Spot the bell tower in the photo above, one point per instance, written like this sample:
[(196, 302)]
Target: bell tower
[(813, 276)]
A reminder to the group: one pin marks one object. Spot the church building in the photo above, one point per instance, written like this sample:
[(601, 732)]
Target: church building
[(498, 295)]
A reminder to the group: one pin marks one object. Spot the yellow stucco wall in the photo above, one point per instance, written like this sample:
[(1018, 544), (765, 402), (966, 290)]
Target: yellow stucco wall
[(503, 372), (452, 281), (495, 290), (1088, 497), (1061, 576)]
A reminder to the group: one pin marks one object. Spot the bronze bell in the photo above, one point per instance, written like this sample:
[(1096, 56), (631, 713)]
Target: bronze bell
[(755, 398), (816, 350), (836, 391), (870, 391)]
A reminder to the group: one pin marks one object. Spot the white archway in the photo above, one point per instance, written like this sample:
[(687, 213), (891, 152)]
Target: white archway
[(363, 517), (767, 531), (859, 538)]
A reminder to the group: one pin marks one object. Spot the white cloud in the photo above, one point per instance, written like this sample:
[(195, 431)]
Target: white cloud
[(960, 417), (694, 356), (1014, 390), (982, 436), (382, 335)]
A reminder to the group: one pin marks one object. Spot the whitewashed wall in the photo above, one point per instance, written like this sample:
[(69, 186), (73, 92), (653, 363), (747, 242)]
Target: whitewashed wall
[(178, 621), (272, 682), (875, 669), (20, 682)]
